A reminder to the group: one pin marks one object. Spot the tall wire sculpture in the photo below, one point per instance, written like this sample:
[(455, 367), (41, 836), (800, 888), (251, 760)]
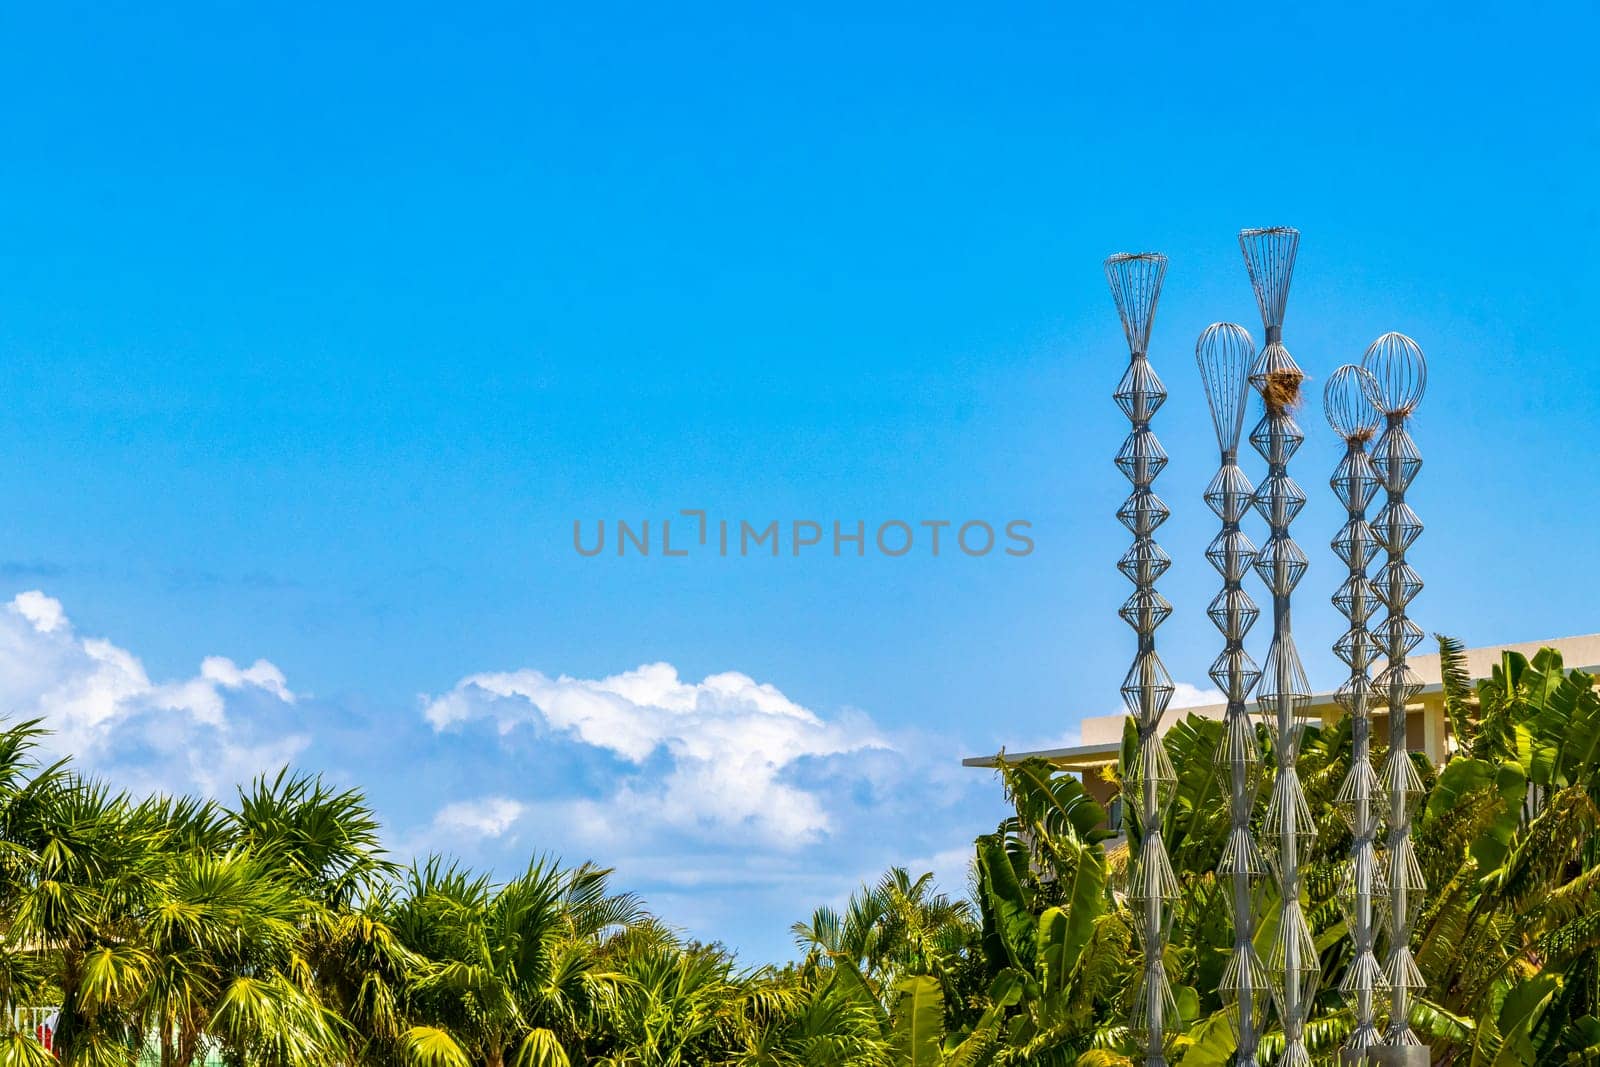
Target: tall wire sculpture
[(1398, 376), (1226, 354), (1285, 694), (1362, 888), (1135, 281)]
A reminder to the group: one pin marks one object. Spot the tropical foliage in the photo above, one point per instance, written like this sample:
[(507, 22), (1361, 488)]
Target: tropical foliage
[(274, 931)]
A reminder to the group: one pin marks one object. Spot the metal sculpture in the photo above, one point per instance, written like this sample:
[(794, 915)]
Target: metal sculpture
[(1226, 354), (1398, 377), (1135, 281), (1284, 694), (1362, 888)]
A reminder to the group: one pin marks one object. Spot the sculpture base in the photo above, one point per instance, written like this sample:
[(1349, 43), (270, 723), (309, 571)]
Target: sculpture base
[(1394, 1056)]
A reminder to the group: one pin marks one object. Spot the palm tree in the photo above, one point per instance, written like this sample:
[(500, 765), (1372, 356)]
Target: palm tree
[(79, 907), (328, 840), (898, 926), (513, 970), (223, 935)]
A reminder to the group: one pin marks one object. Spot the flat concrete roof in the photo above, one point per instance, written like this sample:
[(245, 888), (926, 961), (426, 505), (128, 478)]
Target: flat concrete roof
[(1064, 756), (1103, 733)]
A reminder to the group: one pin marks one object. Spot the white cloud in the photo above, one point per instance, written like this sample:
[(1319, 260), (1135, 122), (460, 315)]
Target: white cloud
[(716, 756), (488, 817), (104, 710), (733, 808), (44, 612), (1188, 695)]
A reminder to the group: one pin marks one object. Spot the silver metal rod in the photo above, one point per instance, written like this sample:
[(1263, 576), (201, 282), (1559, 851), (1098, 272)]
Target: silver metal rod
[(1398, 379), (1135, 281), (1354, 482), (1225, 354), (1285, 696)]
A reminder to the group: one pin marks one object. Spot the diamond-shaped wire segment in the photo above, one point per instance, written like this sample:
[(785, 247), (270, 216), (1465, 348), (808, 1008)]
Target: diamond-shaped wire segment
[(1235, 673), (1282, 674), (1145, 610), (1150, 876), (1253, 903), (1279, 499), (1150, 776), (1286, 746), (1356, 599), (1135, 280), (1251, 775), (1231, 553), (1281, 565), (1269, 259), (1360, 799), (1397, 584), (1241, 855), (1233, 612), (1398, 777), (1292, 961), (1288, 823), (1364, 984), (1142, 513), (1348, 890), (1359, 649), (1276, 438), (1355, 544), (1141, 457), (1245, 989), (1395, 459), (1147, 690), (1144, 563), (1354, 481), (1397, 526), (1230, 493), (1238, 746), (1140, 394), (1154, 1008), (1404, 874), (1355, 696), (1397, 634), (1273, 372), (1402, 971), (1395, 685)]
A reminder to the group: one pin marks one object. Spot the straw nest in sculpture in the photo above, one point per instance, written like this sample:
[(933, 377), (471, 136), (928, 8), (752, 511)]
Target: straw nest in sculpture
[(1281, 389)]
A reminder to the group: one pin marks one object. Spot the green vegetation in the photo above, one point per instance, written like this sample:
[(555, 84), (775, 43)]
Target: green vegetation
[(273, 932)]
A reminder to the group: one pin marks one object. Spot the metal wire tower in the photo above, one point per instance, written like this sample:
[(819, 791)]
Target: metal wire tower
[(1225, 354), (1285, 693), (1398, 378), (1135, 281), (1362, 887)]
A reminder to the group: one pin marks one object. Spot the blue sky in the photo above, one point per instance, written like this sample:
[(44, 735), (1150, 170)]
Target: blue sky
[(320, 327)]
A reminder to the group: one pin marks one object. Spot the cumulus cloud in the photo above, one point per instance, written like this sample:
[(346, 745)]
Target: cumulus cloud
[(734, 808), (104, 709), (488, 817), (724, 754), (1189, 695)]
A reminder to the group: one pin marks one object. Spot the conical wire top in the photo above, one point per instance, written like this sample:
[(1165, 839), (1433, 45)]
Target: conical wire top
[(1226, 355), (1135, 279), (1269, 257)]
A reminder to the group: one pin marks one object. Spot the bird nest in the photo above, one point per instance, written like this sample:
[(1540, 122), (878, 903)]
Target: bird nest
[(1281, 389)]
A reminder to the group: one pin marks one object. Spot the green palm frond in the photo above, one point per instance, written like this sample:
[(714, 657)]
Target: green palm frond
[(430, 1046)]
